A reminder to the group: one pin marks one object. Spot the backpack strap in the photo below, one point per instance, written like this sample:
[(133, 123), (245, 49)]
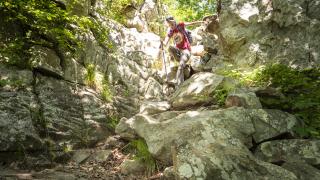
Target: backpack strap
[(183, 31)]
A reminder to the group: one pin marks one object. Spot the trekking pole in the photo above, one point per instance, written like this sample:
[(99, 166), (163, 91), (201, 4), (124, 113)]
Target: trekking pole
[(164, 61)]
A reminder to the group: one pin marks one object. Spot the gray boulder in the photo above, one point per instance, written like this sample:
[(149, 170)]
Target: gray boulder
[(152, 89), (271, 123), (225, 160), (199, 89), (204, 144), (292, 150), (243, 98)]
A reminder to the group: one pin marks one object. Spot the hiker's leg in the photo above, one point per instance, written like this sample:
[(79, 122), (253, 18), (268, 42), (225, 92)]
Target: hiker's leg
[(175, 52), (185, 55)]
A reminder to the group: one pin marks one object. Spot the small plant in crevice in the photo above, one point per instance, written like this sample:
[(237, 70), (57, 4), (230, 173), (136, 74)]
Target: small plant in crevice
[(106, 92), (143, 155), (157, 65), (12, 83), (49, 149), (112, 121), (220, 96), (90, 76), (245, 77)]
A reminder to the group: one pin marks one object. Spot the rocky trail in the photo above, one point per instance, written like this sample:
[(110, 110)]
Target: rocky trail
[(53, 125)]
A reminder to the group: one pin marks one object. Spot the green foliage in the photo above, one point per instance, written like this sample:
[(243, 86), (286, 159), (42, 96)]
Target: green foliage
[(142, 154), (49, 145), (45, 23), (106, 91), (220, 96), (301, 90), (190, 10), (112, 122), (11, 83), (246, 78), (90, 75), (42, 18)]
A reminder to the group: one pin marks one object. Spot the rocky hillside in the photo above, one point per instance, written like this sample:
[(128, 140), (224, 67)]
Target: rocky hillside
[(106, 110)]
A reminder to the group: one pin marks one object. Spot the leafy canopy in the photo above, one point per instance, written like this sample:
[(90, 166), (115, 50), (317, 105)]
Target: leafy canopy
[(46, 23), (190, 10)]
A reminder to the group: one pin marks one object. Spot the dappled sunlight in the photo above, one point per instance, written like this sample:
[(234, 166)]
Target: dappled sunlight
[(192, 113), (248, 10), (199, 84)]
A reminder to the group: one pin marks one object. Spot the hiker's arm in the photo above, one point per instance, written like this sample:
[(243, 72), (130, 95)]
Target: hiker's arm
[(193, 23), (166, 40), (168, 36)]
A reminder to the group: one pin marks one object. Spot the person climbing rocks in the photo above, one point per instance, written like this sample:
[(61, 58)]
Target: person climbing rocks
[(182, 49)]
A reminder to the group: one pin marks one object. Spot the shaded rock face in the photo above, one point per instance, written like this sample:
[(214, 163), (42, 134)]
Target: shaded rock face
[(302, 171), (292, 150), (258, 32), (71, 116), (46, 60), (208, 143), (35, 108), (17, 110)]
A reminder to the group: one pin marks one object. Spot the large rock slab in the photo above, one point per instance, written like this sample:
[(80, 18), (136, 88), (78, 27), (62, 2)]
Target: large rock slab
[(18, 111), (204, 144), (199, 89), (224, 159), (72, 114), (160, 135), (179, 126), (293, 150)]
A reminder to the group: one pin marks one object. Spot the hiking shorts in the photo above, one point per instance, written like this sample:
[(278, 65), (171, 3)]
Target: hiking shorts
[(182, 56), (178, 53)]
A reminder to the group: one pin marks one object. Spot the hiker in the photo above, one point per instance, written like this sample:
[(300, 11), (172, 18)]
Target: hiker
[(182, 49)]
